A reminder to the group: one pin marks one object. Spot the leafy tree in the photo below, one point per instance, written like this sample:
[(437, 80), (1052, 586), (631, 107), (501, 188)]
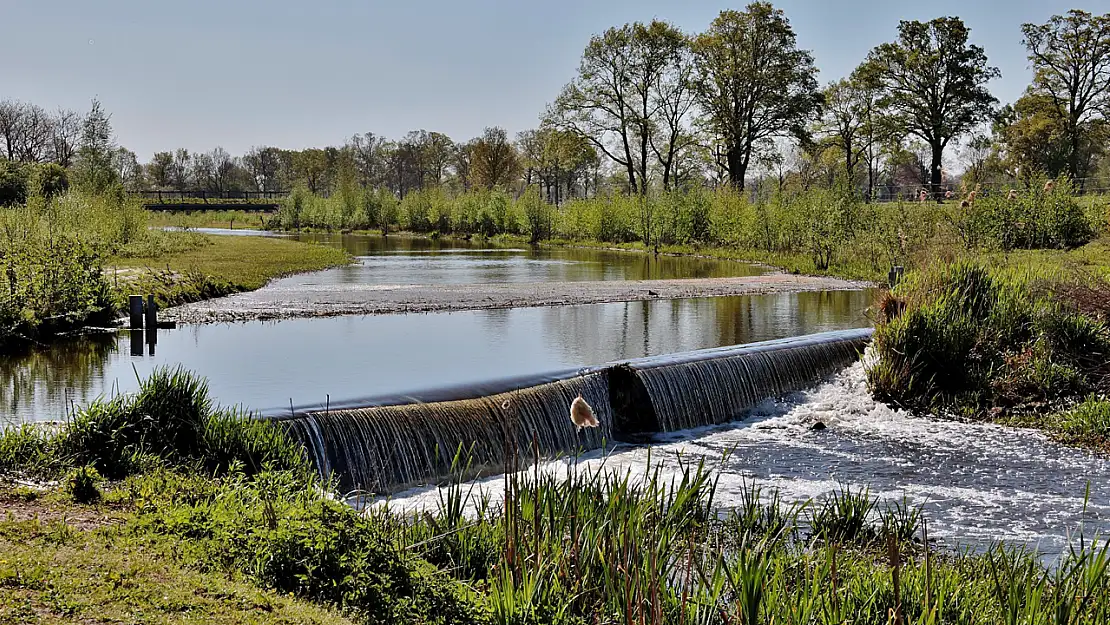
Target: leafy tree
[(310, 167), (753, 82), (52, 180), (616, 101), (495, 161), (1071, 67), (845, 120), (263, 165), (934, 84), (159, 171), (1033, 137), (95, 167)]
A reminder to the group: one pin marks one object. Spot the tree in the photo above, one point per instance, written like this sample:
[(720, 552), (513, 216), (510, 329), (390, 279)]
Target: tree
[(494, 159), (934, 84), (847, 124), (11, 127), (462, 159), (311, 168), (26, 132), (367, 150), (181, 169), (95, 166), (1071, 66), (65, 132), (672, 96), (127, 169), (159, 171), (615, 101), (753, 83), (262, 165)]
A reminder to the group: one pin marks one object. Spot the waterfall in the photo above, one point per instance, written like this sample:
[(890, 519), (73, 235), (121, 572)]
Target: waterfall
[(382, 445), (390, 447), (713, 386)]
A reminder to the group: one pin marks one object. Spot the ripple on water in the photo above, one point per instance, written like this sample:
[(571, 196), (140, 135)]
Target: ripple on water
[(978, 483)]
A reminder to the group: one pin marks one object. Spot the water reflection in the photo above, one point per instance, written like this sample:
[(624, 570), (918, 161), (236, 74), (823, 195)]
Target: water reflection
[(396, 260), (264, 365)]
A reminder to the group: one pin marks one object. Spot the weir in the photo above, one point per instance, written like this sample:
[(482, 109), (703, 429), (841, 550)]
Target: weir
[(385, 444)]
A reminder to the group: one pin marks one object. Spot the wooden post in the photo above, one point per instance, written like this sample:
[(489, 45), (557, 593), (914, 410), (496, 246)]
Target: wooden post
[(136, 309), (151, 312)]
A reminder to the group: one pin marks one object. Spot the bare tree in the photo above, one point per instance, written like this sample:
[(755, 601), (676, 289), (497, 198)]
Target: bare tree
[(65, 132)]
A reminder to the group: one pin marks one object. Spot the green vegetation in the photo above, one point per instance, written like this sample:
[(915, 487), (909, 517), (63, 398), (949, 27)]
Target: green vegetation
[(1020, 343), (173, 541), (69, 261), (219, 266)]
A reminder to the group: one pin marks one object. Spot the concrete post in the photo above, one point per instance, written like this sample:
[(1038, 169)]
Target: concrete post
[(136, 308)]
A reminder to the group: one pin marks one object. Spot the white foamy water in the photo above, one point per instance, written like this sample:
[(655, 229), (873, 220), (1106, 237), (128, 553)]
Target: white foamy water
[(978, 483)]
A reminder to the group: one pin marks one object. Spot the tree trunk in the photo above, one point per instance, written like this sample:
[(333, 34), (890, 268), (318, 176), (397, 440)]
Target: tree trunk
[(737, 167), (934, 171)]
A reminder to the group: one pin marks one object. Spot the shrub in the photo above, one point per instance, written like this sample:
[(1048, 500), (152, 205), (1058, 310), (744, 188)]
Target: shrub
[(13, 183), (171, 417), (83, 484), (966, 338), (51, 180)]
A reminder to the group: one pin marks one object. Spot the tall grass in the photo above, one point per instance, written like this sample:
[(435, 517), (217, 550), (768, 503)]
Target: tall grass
[(170, 419), (813, 230), (965, 338), (609, 547)]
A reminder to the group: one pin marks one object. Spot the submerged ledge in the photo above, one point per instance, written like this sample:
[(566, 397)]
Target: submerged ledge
[(294, 301)]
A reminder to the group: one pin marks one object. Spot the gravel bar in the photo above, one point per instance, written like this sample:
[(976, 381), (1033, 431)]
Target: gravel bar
[(291, 302)]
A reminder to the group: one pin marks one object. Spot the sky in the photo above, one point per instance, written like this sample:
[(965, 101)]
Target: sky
[(301, 73)]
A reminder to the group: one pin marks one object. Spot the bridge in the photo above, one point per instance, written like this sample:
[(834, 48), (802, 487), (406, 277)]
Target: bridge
[(178, 201)]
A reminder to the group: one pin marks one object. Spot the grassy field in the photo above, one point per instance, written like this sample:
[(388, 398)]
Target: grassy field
[(218, 265)]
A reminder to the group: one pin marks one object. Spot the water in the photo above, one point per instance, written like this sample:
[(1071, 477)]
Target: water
[(978, 483), (265, 364), (399, 260), (382, 448)]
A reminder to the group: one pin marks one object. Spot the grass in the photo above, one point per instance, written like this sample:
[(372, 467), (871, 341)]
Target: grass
[(54, 253), (169, 420), (230, 219), (219, 266), (212, 517), (53, 573), (599, 547), (1017, 343)]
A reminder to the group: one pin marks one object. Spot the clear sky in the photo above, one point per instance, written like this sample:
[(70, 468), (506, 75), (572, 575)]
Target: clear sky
[(300, 73)]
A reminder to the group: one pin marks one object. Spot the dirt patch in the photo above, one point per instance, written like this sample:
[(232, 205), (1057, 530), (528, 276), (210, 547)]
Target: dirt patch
[(276, 302), (17, 508)]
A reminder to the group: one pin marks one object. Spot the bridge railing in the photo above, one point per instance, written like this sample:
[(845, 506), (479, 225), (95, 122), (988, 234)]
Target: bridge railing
[(216, 196)]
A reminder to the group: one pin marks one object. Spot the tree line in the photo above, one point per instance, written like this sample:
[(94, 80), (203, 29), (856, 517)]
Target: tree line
[(652, 107)]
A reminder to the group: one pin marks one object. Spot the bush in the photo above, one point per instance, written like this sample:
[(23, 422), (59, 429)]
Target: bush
[(279, 530), (51, 180), (170, 419), (965, 338), (83, 484), (13, 183)]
